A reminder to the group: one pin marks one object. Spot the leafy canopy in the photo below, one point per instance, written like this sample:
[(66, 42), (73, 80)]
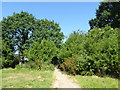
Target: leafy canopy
[(108, 13)]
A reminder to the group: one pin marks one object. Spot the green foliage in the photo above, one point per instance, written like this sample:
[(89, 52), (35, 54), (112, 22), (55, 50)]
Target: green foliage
[(15, 31), (108, 13), (28, 65), (42, 53), (22, 31), (36, 65), (9, 63), (0, 63), (104, 50), (96, 52), (47, 66), (72, 46), (48, 30)]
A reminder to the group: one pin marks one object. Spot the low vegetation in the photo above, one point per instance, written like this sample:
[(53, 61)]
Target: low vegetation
[(26, 78), (0, 78), (96, 82)]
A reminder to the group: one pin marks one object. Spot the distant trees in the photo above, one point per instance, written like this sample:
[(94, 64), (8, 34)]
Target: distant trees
[(108, 13)]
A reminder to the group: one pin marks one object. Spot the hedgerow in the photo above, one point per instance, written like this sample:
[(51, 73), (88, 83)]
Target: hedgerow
[(96, 51)]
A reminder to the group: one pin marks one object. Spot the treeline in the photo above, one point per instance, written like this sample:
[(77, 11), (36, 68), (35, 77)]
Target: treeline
[(91, 53)]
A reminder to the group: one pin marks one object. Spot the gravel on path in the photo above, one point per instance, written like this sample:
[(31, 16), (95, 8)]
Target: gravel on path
[(63, 81)]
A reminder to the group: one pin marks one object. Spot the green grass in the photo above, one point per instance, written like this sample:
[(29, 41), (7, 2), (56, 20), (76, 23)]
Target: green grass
[(96, 82), (25, 78), (0, 79)]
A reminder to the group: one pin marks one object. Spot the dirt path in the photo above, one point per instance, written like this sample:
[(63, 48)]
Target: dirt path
[(63, 81)]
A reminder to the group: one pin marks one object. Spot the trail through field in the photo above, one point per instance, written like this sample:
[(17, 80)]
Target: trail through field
[(63, 81)]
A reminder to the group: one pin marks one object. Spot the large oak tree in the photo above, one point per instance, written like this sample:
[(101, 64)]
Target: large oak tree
[(20, 30)]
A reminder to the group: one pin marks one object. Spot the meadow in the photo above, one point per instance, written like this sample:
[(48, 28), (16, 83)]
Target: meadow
[(96, 82), (25, 78)]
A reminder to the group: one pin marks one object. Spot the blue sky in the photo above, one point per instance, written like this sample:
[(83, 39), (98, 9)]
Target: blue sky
[(71, 16)]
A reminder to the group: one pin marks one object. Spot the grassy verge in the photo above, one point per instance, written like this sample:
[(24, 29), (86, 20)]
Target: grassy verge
[(96, 82), (0, 79), (25, 78)]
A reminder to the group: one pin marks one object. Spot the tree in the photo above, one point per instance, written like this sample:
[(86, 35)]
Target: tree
[(22, 29), (0, 40), (48, 30), (108, 13), (16, 30)]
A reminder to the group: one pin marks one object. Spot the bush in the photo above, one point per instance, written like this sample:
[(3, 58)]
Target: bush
[(6, 63), (9, 63), (69, 65), (1, 63), (18, 66), (36, 65), (104, 48), (41, 54), (46, 66), (98, 52), (29, 65)]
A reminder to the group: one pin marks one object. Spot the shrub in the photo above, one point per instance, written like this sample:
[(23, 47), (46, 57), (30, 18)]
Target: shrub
[(41, 54), (97, 49), (69, 65), (5, 63), (46, 66), (1, 63)]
